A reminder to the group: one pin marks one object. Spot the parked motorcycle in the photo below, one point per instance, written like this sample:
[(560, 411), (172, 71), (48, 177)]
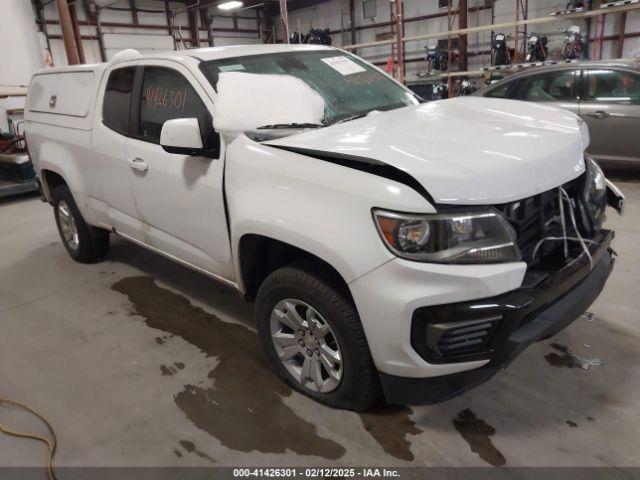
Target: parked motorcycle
[(316, 36), (571, 4), (573, 47), (319, 37), (440, 92), (537, 50), (501, 53), (462, 87), (466, 88), (437, 60)]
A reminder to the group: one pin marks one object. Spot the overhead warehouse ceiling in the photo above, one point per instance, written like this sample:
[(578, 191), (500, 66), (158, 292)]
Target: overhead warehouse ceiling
[(291, 4)]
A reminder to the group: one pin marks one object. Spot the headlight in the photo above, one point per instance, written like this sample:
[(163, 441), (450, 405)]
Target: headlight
[(595, 192), (464, 237)]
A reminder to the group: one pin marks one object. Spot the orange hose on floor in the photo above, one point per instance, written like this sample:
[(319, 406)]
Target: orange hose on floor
[(51, 443)]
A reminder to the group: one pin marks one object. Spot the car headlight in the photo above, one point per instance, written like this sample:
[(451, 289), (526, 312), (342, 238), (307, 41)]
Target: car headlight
[(595, 192), (461, 237)]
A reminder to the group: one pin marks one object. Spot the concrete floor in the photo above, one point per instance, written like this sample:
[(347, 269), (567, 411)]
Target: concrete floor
[(122, 357)]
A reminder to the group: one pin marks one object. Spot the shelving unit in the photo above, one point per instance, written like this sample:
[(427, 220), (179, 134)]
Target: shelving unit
[(521, 25)]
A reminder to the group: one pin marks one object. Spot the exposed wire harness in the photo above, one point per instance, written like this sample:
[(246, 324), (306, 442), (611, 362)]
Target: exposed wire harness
[(563, 195)]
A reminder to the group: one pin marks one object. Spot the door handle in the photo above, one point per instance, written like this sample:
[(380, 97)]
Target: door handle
[(599, 114), (138, 164)]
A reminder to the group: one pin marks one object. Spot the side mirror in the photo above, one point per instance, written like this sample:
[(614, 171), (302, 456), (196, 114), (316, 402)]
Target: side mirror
[(182, 136)]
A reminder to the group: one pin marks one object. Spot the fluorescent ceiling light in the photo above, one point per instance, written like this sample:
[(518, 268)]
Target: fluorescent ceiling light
[(230, 5)]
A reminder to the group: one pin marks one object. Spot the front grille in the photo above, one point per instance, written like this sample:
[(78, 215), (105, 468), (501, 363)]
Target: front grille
[(537, 217), (454, 339)]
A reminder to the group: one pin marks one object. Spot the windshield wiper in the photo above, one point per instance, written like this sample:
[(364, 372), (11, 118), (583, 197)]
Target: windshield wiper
[(364, 113), (290, 125), (352, 117)]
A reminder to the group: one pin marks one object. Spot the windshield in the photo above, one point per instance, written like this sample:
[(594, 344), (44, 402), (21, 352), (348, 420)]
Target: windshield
[(349, 86)]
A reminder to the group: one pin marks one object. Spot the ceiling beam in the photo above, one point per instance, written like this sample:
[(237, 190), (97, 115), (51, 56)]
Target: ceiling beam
[(299, 4), (291, 4), (202, 4)]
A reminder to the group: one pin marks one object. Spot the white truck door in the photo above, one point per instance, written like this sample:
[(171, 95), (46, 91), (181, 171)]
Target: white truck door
[(109, 186), (179, 198)]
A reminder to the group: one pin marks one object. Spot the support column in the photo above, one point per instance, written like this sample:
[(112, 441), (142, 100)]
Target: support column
[(134, 12), (207, 22), (43, 26), (167, 11), (100, 34), (399, 42), (463, 61), (192, 14), (76, 32), (284, 15), (352, 20), (623, 25), (516, 52), (67, 32)]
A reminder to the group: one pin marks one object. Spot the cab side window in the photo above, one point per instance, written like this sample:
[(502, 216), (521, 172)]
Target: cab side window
[(547, 87), (609, 86), (117, 99), (166, 95)]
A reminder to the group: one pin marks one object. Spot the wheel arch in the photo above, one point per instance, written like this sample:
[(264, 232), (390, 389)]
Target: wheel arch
[(260, 255), (51, 180)]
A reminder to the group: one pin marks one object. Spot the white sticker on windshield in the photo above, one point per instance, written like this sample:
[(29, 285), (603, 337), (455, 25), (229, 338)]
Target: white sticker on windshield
[(343, 65), (231, 68)]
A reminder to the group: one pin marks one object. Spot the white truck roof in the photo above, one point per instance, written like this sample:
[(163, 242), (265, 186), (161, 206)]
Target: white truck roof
[(216, 53), (65, 96)]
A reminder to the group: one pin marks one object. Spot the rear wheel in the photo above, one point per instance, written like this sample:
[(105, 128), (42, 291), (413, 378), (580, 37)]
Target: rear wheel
[(84, 243), (314, 339)]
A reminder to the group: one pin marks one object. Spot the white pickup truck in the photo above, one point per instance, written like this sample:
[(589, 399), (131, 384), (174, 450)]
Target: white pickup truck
[(393, 247)]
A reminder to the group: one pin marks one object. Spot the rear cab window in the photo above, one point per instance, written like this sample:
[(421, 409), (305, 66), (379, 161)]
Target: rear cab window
[(117, 99)]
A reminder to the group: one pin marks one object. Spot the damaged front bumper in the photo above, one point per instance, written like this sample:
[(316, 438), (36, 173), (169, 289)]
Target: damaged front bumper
[(615, 197), (498, 329)]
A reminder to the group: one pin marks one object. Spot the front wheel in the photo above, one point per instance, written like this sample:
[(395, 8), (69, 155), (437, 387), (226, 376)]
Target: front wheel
[(313, 337), (84, 243)]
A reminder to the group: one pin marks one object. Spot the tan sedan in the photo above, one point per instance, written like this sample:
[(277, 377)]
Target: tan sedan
[(605, 94)]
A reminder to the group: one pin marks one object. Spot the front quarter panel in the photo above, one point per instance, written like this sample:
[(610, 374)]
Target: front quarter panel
[(314, 205)]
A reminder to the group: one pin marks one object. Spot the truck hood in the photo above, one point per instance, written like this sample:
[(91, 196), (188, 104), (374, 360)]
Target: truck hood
[(466, 151)]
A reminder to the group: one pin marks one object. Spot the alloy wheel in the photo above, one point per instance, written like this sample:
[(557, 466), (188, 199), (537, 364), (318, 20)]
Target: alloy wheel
[(306, 345)]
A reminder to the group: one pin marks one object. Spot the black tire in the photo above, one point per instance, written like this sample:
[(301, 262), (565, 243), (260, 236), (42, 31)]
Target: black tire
[(309, 282), (92, 243)]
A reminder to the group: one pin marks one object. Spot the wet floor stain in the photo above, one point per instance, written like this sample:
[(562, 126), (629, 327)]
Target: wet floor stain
[(607, 399), (177, 453), (190, 447), (591, 419), (566, 359), (477, 433), (389, 426), (244, 408), (572, 424), (171, 369)]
